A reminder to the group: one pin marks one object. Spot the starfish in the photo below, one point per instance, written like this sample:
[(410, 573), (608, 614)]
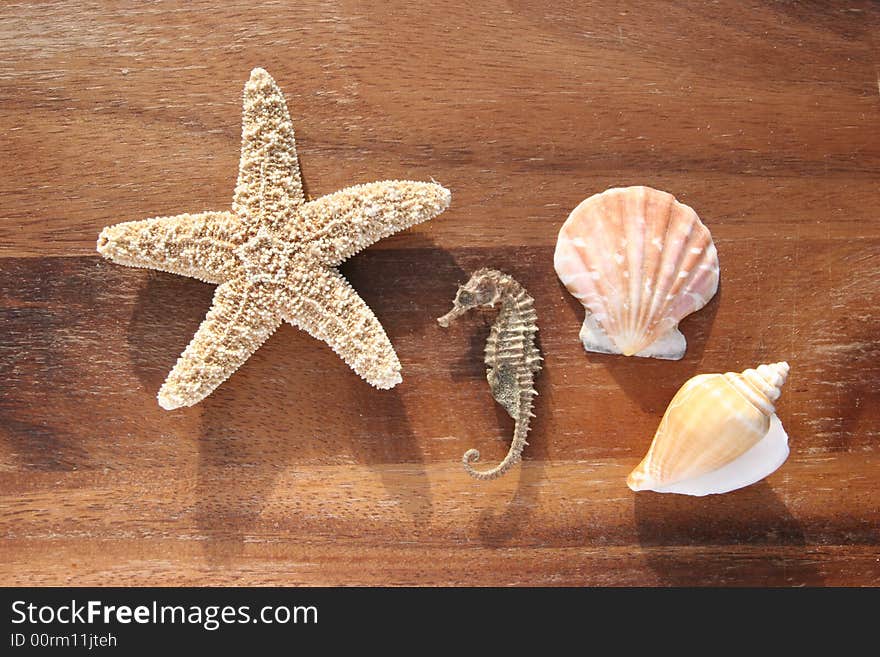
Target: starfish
[(274, 256)]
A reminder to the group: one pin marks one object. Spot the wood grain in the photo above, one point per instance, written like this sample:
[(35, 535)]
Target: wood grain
[(762, 116)]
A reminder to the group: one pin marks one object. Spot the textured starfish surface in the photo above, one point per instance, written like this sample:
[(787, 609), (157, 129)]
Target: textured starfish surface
[(274, 256)]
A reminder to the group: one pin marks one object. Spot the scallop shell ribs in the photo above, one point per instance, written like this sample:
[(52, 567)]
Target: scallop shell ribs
[(638, 261)]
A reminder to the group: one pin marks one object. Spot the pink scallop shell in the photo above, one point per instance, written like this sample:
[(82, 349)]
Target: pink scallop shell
[(638, 261)]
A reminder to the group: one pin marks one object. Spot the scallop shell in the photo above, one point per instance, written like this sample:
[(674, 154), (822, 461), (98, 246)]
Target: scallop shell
[(719, 433), (638, 261)]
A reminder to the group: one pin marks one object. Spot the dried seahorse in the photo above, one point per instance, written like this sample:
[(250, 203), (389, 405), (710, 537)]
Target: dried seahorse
[(512, 356)]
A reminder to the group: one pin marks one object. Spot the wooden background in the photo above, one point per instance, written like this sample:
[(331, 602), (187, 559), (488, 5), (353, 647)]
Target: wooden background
[(761, 115)]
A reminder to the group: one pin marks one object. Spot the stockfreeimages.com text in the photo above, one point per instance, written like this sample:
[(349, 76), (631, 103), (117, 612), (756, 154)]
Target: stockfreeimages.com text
[(211, 617)]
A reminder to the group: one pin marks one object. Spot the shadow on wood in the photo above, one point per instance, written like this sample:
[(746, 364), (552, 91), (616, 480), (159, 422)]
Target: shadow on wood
[(247, 443), (751, 516), (167, 312)]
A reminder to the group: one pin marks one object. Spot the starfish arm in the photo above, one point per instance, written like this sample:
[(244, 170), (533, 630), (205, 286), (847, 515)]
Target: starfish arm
[(241, 318), (329, 309), (196, 245), (351, 219), (269, 183)]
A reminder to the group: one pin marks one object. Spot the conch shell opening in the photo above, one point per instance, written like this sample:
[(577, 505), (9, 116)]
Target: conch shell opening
[(720, 433)]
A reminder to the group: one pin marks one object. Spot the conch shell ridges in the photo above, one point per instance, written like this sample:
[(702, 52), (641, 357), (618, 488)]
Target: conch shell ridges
[(761, 385)]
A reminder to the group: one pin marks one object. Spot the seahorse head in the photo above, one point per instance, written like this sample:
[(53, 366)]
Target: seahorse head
[(484, 288)]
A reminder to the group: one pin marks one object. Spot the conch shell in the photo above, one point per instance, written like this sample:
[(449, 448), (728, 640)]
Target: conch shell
[(638, 261), (719, 433)]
